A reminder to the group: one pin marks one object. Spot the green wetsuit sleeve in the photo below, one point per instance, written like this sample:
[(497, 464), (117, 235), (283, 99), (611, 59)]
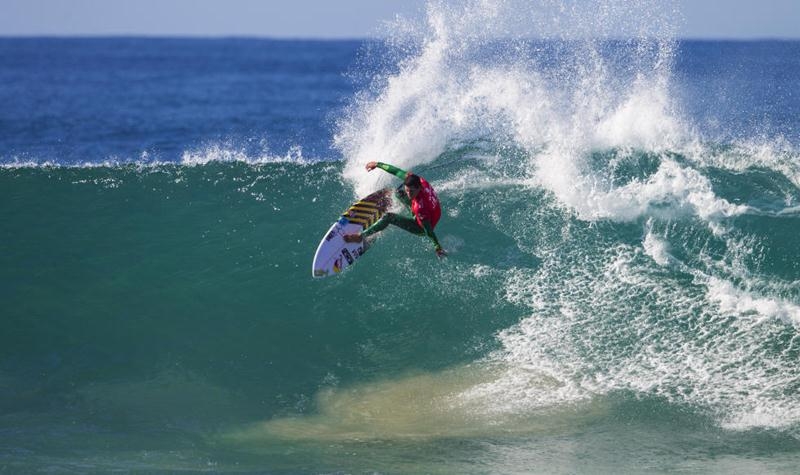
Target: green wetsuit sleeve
[(399, 173), (426, 225)]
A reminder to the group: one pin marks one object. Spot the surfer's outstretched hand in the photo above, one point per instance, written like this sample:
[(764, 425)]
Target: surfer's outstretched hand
[(371, 166)]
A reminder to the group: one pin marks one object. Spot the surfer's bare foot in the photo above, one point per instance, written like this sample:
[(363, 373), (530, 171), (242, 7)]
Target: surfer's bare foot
[(356, 237)]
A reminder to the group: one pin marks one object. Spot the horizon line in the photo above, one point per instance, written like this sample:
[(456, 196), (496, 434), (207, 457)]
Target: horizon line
[(156, 36)]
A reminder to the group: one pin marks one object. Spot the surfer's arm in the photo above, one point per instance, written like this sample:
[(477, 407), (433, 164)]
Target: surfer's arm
[(398, 172), (426, 226)]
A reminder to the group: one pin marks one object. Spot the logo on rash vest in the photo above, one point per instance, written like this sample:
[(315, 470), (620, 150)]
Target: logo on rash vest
[(434, 200)]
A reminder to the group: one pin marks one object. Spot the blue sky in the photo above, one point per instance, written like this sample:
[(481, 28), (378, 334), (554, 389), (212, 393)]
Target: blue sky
[(745, 19)]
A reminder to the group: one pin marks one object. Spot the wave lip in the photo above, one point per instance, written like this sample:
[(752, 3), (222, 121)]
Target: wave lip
[(216, 153), (212, 153)]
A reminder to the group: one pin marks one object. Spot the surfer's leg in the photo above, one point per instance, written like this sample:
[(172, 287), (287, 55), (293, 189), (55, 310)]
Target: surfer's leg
[(403, 222), (376, 227), (407, 224), (379, 225)]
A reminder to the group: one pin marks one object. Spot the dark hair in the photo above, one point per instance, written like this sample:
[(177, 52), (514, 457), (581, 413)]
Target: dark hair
[(412, 181)]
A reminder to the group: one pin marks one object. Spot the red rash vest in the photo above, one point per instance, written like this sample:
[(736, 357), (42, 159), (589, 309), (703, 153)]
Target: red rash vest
[(426, 205)]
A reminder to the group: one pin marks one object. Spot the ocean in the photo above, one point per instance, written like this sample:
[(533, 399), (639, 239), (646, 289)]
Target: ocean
[(621, 295)]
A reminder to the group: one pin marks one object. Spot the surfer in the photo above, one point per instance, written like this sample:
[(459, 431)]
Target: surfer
[(420, 197)]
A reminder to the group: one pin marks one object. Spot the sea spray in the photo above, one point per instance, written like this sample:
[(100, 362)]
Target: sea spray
[(599, 129), (621, 215)]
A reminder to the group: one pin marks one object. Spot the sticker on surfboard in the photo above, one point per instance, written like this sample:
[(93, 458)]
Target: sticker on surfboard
[(334, 254)]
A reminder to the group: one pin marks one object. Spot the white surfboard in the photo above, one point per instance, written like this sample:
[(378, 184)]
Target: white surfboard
[(334, 254)]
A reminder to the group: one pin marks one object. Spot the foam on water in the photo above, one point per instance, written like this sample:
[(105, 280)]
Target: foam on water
[(215, 152), (656, 248), (773, 153), (228, 153), (604, 316), (619, 324), (732, 300)]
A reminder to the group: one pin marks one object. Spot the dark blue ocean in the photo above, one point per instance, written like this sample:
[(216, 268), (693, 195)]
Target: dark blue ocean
[(72, 101), (621, 295)]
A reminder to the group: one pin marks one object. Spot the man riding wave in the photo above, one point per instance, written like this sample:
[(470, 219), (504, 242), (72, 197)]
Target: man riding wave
[(420, 197)]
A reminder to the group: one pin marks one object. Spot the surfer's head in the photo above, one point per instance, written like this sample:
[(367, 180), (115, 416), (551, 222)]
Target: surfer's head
[(412, 185)]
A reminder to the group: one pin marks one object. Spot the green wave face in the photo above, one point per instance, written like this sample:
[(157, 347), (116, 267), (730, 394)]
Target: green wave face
[(176, 300)]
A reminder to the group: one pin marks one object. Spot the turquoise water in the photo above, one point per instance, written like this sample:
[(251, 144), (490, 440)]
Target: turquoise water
[(621, 295), (164, 318)]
